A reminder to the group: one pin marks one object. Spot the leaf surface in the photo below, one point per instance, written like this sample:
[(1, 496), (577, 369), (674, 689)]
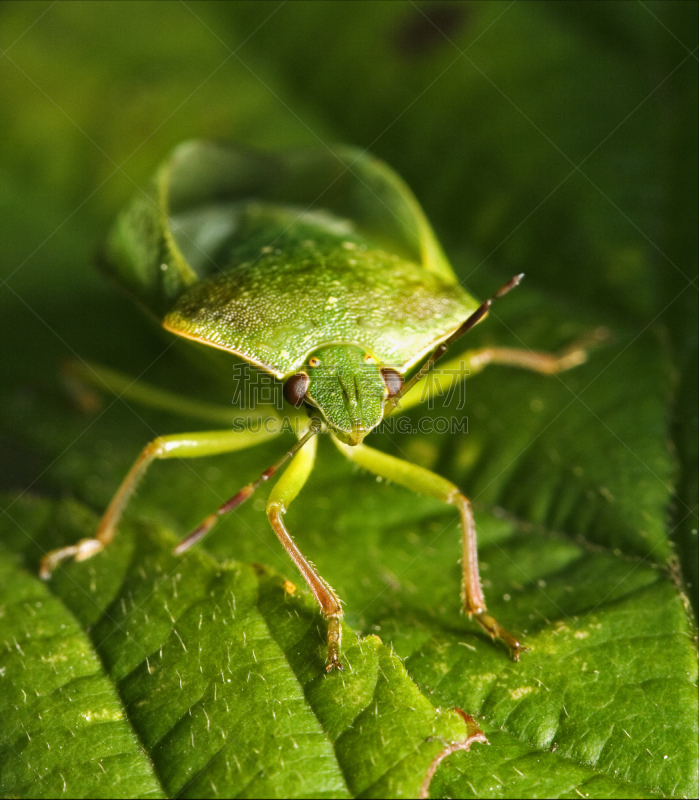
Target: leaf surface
[(217, 669)]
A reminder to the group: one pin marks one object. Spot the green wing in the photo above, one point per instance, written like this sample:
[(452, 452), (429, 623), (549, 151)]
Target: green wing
[(317, 283), (272, 255), (147, 255)]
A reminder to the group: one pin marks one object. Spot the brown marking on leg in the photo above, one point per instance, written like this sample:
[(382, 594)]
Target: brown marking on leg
[(208, 523), (240, 497), (471, 591), (108, 523), (328, 601)]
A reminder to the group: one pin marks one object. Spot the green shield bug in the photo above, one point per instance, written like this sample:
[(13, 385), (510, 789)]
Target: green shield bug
[(320, 268)]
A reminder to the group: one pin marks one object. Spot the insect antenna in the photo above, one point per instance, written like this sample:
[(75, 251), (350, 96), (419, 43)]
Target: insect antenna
[(247, 490), (441, 349)]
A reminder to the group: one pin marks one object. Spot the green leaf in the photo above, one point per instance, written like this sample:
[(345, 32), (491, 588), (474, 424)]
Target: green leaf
[(64, 731), (609, 685), (217, 669)]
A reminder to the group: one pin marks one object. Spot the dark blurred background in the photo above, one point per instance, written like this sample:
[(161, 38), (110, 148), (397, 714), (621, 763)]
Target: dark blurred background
[(558, 139)]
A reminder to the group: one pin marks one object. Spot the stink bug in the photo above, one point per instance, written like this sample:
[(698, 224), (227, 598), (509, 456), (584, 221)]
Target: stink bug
[(321, 269)]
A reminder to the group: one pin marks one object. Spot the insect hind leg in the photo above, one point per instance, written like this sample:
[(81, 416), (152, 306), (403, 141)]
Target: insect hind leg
[(423, 481)]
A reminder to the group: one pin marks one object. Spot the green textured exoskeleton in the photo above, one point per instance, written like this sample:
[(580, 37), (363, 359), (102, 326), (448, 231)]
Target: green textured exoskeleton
[(320, 268)]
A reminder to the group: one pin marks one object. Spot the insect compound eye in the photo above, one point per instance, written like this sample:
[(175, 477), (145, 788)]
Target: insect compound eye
[(393, 380), (314, 362), (295, 388)]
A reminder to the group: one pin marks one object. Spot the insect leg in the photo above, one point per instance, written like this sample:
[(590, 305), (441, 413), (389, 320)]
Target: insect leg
[(182, 445), (80, 376), (423, 481), (281, 497), (443, 379)]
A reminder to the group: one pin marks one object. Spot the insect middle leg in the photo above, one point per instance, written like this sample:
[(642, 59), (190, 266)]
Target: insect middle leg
[(181, 445), (81, 376), (425, 482), (447, 373), (284, 492)]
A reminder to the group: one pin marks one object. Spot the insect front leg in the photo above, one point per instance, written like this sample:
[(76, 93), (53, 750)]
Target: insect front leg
[(281, 497), (423, 481), (182, 445)]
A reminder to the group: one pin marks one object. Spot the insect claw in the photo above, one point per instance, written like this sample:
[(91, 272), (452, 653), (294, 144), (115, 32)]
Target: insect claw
[(495, 631), (51, 560), (516, 649), (334, 639), (84, 549)]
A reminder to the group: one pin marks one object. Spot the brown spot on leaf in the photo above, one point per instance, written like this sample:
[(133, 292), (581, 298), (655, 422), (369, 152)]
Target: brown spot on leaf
[(473, 734)]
